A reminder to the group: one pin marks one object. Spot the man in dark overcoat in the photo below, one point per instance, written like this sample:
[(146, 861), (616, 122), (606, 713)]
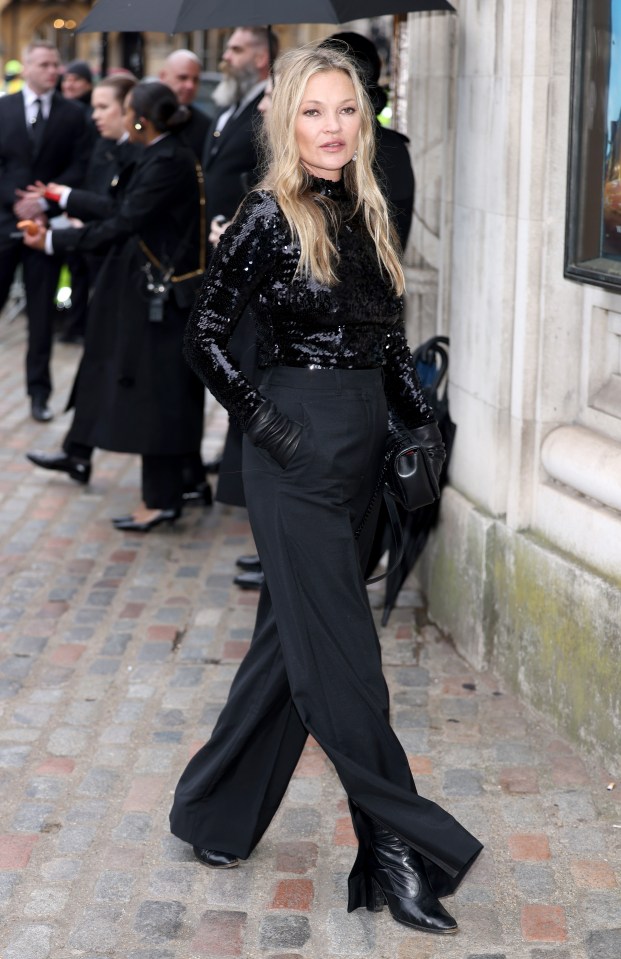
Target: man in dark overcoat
[(43, 137), (230, 155)]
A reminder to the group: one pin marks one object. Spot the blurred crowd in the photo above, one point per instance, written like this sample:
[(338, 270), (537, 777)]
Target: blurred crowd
[(129, 186)]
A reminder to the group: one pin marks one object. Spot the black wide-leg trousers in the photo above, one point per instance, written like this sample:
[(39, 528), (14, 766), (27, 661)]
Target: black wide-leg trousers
[(314, 664)]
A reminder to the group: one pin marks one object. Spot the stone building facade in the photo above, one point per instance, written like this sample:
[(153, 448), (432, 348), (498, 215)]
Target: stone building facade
[(525, 568)]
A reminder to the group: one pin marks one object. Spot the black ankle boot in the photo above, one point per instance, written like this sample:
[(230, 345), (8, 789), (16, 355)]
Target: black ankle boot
[(393, 873)]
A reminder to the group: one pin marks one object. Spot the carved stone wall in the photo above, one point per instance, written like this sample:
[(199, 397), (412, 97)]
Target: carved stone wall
[(535, 364)]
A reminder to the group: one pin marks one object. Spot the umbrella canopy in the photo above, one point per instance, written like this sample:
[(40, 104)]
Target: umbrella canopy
[(179, 16)]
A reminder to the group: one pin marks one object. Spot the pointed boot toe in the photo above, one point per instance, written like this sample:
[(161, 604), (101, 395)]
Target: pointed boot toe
[(389, 872)]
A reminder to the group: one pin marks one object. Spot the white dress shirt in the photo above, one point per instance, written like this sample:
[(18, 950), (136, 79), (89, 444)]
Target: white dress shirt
[(32, 108)]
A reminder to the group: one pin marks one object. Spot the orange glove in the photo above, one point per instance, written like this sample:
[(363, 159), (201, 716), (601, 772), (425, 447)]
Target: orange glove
[(29, 227)]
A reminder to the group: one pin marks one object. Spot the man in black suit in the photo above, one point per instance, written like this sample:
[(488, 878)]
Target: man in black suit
[(230, 156), (230, 162), (181, 72), (43, 137)]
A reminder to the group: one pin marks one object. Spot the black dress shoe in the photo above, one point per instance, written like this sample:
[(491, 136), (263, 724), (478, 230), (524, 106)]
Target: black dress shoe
[(78, 470), (215, 859), (249, 564), (40, 411), (250, 580), (130, 525), (200, 495)]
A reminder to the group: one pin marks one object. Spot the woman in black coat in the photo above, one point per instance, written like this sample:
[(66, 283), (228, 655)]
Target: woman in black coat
[(134, 393), (112, 159), (110, 164)]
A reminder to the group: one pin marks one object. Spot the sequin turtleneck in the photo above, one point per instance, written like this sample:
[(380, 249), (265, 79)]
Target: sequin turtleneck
[(355, 324)]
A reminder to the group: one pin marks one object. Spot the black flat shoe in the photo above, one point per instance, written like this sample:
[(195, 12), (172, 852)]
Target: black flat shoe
[(40, 411), (214, 859), (78, 470), (394, 874), (250, 580), (130, 525), (249, 564)]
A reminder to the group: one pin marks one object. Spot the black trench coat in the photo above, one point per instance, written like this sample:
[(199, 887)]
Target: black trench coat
[(134, 391)]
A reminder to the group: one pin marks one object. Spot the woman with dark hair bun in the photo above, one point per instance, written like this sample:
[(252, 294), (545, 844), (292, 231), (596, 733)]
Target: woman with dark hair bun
[(134, 392), (157, 103)]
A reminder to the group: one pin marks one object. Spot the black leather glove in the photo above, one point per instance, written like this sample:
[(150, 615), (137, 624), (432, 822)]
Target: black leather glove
[(430, 437), (274, 432)]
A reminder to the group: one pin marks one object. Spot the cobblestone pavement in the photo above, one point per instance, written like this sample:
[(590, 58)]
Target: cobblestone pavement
[(117, 652)]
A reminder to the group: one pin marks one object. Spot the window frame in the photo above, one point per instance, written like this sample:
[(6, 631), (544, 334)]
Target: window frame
[(602, 270)]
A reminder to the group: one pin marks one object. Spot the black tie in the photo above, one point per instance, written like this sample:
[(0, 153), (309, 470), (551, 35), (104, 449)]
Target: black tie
[(36, 125)]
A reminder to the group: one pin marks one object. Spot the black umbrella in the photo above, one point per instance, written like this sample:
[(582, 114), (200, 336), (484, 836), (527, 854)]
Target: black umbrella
[(180, 16), (431, 359)]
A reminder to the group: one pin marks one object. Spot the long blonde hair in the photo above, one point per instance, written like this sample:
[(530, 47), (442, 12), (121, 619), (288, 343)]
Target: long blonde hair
[(287, 179)]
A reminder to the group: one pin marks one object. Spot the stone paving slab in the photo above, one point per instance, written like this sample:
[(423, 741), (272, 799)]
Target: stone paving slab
[(116, 653)]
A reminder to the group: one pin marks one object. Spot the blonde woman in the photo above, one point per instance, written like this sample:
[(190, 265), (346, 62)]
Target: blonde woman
[(312, 250)]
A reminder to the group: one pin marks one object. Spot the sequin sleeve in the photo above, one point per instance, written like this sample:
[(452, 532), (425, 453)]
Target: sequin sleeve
[(245, 258), (402, 384)]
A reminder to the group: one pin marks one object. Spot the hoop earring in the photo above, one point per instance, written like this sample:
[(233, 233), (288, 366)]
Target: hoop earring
[(138, 126), (354, 156)]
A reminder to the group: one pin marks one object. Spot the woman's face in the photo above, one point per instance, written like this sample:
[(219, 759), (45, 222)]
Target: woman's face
[(108, 113), (327, 126)]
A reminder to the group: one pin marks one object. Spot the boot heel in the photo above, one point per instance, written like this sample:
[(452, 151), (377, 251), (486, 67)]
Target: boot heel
[(357, 893), (375, 895)]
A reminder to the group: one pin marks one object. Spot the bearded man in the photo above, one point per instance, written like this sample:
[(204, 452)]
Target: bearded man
[(230, 156), (230, 162)]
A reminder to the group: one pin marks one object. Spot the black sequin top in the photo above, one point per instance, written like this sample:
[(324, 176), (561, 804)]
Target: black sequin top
[(355, 324)]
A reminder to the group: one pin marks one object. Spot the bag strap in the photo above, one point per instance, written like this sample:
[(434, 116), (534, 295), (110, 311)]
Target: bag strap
[(397, 533), (202, 252)]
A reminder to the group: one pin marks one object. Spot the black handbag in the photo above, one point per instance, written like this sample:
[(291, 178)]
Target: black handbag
[(408, 477), (162, 279), (408, 472)]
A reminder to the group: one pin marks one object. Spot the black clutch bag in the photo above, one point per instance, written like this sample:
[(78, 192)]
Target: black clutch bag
[(409, 475)]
